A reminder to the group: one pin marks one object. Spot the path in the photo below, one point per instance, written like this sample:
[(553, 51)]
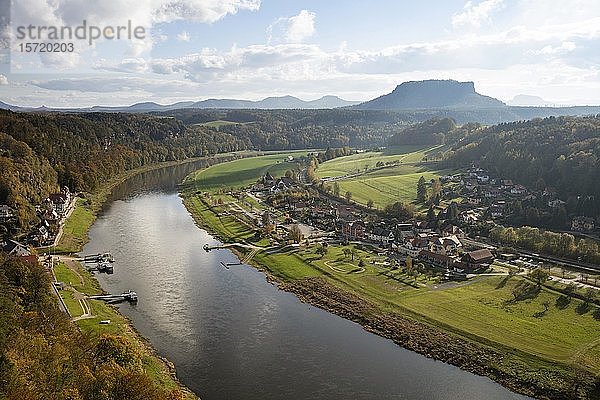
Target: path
[(342, 271)]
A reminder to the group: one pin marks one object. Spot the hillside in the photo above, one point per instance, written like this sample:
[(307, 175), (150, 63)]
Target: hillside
[(432, 94), (40, 152), (562, 154)]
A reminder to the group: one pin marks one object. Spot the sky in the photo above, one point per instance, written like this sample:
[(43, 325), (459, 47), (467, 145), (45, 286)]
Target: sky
[(251, 49)]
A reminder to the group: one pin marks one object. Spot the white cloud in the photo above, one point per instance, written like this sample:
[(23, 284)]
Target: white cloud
[(3, 80), (294, 29), (549, 50), (301, 26), (184, 37), (146, 13), (475, 15)]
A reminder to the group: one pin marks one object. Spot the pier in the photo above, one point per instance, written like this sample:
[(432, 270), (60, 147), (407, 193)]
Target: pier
[(129, 296), (100, 257)]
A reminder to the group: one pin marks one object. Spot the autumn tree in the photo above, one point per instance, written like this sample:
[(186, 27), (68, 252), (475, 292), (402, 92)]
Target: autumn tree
[(421, 190)]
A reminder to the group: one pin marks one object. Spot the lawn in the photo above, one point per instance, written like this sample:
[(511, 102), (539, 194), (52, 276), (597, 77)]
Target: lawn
[(76, 227), (485, 309), (240, 173)]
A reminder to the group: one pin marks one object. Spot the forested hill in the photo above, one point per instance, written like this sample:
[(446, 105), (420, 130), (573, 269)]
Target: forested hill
[(561, 153), (301, 129), (39, 152)]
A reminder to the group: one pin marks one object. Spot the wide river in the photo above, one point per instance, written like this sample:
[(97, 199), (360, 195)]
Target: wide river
[(230, 333)]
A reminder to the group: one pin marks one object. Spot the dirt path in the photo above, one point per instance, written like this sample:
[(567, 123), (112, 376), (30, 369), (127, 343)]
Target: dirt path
[(342, 271)]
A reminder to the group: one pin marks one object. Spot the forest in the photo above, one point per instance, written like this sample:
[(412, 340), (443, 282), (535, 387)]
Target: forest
[(45, 356), (41, 151), (560, 154)]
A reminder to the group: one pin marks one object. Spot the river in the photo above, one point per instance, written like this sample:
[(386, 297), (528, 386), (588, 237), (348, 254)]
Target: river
[(230, 333)]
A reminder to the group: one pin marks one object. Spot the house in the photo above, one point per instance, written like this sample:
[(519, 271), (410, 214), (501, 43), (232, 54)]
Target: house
[(6, 213), (268, 179), (60, 201), (476, 259), (556, 203), (518, 190), (353, 230), (492, 192), (422, 227), (413, 247), (474, 200), (381, 235), (440, 260), (453, 230), (446, 245), (496, 211), (14, 248), (470, 217), (282, 184), (483, 178), (582, 224)]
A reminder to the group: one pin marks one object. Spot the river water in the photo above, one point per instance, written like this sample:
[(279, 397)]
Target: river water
[(230, 333)]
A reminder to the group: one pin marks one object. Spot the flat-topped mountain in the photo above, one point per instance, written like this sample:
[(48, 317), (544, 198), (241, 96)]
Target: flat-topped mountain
[(432, 94)]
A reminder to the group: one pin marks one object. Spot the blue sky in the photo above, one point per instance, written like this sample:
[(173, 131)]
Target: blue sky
[(251, 49)]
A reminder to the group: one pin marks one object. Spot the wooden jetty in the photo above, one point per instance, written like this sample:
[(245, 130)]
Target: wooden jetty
[(100, 257), (129, 296)]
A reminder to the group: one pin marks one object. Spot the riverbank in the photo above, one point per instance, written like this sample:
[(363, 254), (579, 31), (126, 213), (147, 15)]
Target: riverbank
[(80, 282), (301, 273)]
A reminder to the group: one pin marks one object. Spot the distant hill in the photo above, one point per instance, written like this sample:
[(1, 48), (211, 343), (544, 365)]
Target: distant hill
[(274, 103), (283, 102), (4, 106), (432, 94), (528, 100)]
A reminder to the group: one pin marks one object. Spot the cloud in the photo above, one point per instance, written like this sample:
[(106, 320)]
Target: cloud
[(146, 13), (294, 29), (475, 15), (184, 37), (3, 80), (301, 26)]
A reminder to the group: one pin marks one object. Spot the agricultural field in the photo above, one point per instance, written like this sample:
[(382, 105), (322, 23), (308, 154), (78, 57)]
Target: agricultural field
[(396, 182), (241, 173), (219, 123)]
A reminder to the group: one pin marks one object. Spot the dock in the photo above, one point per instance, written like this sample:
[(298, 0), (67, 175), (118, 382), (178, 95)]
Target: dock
[(129, 296), (100, 257)]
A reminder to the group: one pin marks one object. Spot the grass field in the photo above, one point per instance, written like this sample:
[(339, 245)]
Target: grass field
[(382, 186), (219, 123), (76, 227), (240, 173), (485, 308)]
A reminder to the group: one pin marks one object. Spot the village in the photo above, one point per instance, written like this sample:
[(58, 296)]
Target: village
[(289, 211), (52, 213)]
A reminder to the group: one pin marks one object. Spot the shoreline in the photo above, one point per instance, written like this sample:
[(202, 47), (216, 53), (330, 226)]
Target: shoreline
[(551, 381), (93, 206)]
